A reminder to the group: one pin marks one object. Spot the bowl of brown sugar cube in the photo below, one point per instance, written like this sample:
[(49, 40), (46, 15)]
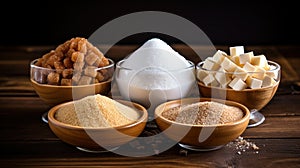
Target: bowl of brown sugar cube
[(73, 70)]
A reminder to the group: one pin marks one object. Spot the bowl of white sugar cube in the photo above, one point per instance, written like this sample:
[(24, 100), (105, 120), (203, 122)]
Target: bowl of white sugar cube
[(242, 76)]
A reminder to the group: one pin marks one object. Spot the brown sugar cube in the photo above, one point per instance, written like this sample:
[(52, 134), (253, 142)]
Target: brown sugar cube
[(91, 58), (70, 52), (89, 45), (100, 77), (77, 57), (93, 81), (48, 66), (85, 80), (59, 66), (97, 62), (52, 59), (62, 48), (60, 54), (104, 62), (76, 77), (97, 51), (39, 76), (66, 82), (78, 66), (67, 73), (68, 63), (108, 74), (39, 62), (53, 78), (81, 47), (90, 71), (73, 44), (46, 56), (103, 71)]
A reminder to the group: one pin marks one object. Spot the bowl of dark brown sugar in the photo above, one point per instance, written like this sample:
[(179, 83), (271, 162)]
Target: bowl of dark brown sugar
[(202, 124)]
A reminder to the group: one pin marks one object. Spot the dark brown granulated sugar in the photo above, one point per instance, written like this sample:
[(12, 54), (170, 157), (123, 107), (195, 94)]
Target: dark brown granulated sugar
[(204, 113)]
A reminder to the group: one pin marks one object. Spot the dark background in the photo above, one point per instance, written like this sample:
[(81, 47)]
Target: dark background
[(224, 22)]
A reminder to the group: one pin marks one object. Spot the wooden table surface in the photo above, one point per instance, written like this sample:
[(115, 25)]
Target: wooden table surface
[(27, 141)]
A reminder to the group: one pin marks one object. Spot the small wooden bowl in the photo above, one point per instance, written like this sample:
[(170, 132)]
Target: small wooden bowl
[(54, 94), (212, 136), (107, 138), (251, 98)]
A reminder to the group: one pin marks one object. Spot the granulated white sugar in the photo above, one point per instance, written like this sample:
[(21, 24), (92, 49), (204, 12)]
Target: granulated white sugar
[(157, 53), (204, 113), (155, 66), (96, 111), (160, 79)]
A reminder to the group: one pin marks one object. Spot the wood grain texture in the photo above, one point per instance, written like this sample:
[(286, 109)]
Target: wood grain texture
[(272, 153)]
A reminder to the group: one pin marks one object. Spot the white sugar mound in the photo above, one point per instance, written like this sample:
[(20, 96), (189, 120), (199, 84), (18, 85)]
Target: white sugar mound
[(156, 52), (155, 66)]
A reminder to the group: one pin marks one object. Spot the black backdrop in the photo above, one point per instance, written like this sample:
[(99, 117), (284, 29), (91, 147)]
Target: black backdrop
[(225, 22)]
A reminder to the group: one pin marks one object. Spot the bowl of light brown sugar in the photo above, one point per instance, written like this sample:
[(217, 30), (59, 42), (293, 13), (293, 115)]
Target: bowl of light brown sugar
[(97, 123), (202, 124)]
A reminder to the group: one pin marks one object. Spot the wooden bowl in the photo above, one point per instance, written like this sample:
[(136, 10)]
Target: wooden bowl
[(212, 136), (251, 98), (88, 138), (55, 94)]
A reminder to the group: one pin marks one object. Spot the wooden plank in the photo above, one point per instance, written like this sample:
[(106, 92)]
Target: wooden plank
[(15, 84), (276, 127), (272, 152), (282, 105)]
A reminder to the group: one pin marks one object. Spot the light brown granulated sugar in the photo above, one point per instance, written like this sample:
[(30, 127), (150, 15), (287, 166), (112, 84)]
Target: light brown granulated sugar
[(96, 111), (67, 115), (204, 113)]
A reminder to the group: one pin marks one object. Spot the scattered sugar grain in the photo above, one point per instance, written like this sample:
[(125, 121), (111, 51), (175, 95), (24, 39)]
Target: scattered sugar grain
[(242, 145)]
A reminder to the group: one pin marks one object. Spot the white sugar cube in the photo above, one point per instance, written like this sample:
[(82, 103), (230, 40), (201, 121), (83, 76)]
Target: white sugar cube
[(235, 59), (228, 65), (268, 81), (219, 56), (248, 67), (272, 72), (240, 73), (214, 83), (201, 74), (209, 64), (259, 60), (259, 73), (267, 66), (237, 84), (254, 83), (222, 77), (237, 50), (246, 57), (208, 79), (224, 85)]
